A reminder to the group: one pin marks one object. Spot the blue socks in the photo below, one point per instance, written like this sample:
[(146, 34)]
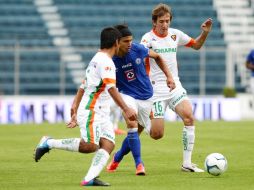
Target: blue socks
[(134, 143), (130, 143), (125, 149)]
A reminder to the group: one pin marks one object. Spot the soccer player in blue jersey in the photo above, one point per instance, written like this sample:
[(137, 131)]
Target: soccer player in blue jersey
[(90, 111), (133, 83)]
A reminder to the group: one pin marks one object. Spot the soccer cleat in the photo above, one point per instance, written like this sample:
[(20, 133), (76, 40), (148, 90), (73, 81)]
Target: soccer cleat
[(140, 169), (192, 168), (112, 166), (94, 182), (41, 148)]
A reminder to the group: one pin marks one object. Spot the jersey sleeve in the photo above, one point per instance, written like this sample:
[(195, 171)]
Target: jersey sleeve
[(184, 39), (144, 51), (146, 40), (107, 72)]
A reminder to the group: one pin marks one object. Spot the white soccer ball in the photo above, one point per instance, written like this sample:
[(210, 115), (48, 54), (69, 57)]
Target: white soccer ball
[(216, 164)]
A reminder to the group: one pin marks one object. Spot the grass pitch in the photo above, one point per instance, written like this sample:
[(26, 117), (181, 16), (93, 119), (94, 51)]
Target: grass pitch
[(61, 170)]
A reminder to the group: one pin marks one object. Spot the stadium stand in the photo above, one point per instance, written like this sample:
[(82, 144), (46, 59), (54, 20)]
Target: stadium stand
[(21, 25), (22, 22), (238, 33)]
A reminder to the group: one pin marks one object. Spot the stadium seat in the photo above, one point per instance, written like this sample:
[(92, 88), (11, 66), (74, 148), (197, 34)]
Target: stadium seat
[(22, 24)]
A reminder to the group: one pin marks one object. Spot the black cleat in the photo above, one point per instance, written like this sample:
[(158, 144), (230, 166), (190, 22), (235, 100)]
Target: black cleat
[(41, 148), (94, 182)]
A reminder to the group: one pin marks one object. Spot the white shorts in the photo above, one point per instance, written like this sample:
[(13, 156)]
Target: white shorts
[(143, 109), (174, 98), (94, 126)]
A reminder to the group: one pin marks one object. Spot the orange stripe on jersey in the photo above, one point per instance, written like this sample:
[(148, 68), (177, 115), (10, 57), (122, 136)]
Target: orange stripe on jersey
[(96, 95), (89, 127), (151, 115), (147, 65), (191, 42), (99, 89), (109, 81)]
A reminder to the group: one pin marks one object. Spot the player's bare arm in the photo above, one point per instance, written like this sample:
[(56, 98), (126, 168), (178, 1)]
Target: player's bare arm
[(76, 101), (200, 40), (130, 113), (74, 108), (170, 81)]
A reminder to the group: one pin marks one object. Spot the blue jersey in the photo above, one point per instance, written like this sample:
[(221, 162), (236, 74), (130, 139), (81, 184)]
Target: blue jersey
[(250, 58), (131, 76)]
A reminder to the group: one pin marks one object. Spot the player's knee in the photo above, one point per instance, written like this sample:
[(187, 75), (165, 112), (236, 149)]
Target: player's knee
[(156, 134), (157, 130), (107, 145), (189, 120), (87, 147)]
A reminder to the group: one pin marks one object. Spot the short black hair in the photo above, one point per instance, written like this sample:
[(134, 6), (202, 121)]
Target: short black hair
[(123, 29), (109, 36)]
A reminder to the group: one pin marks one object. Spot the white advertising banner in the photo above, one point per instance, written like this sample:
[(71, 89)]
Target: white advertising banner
[(54, 109), (35, 109), (212, 108)]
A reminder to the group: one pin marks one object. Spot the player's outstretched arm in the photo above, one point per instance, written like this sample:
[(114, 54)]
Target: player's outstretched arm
[(76, 101), (160, 62), (130, 113), (205, 29), (74, 108)]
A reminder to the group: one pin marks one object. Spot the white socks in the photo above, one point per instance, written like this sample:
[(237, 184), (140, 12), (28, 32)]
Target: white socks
[(132, 130), (188, 144), (99, 161), (71, 144)]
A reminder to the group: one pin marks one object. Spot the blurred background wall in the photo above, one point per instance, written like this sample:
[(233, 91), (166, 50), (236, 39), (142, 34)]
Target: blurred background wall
[(45, 45)]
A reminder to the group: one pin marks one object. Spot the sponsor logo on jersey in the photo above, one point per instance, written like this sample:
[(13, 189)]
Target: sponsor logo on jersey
[(138, 61), (109, 136), (173, 37), (179, 98), (158, 114), (126, 66), (130, 75), (165, 50)]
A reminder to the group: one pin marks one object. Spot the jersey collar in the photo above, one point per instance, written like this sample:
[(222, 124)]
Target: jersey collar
[(159, 35)]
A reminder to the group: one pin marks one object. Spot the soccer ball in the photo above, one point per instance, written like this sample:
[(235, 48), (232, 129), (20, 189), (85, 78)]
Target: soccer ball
[(216, 164)]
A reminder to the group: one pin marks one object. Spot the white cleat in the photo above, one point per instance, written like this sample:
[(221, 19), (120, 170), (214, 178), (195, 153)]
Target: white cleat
[(191, 168)]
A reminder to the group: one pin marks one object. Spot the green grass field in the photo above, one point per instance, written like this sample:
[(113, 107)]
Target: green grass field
[(62, 170)]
